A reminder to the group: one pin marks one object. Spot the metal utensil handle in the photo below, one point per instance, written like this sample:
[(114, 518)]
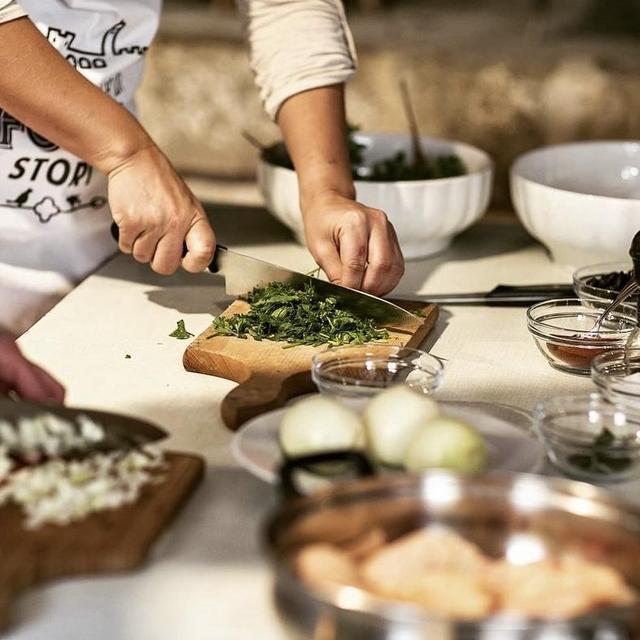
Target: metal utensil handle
[(115, 233), (288, 485)]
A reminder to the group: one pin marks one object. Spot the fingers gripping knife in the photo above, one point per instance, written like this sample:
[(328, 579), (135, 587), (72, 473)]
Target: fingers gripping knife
[(243, 273)]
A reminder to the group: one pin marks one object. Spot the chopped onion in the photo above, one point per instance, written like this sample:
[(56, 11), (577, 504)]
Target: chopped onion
[(63, 491)]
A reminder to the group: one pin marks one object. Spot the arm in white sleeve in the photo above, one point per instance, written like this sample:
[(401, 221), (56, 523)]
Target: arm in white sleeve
[(10, 10), (297, 45)]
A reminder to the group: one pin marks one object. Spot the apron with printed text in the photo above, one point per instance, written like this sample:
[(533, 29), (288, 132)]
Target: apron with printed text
[(54, 217)]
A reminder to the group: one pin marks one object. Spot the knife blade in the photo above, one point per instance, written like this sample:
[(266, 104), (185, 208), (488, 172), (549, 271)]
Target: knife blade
[(243, 273), (501, 296), (121, 432)]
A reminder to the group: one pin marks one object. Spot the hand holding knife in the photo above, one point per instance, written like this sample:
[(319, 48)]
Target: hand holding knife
[(243, 273)]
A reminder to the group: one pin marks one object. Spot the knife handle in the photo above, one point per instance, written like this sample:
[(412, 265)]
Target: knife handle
[(528, 294), (213, 267)]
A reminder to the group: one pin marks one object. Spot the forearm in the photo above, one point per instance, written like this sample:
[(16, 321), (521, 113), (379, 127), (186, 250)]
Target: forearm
[(314, 129), (40, 89)]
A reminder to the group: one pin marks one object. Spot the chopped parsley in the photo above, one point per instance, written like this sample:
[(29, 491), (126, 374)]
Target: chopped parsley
[(598, 460), (282, 313), (181, 332)]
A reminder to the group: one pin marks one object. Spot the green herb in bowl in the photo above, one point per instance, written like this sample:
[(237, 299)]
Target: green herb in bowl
[(588, 438), (600, 459), (395, 168)]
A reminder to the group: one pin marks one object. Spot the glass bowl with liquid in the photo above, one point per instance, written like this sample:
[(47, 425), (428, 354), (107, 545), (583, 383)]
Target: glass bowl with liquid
[(566, 332)]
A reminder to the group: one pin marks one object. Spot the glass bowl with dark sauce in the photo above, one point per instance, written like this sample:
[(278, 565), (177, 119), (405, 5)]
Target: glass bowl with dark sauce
[(601, 283)]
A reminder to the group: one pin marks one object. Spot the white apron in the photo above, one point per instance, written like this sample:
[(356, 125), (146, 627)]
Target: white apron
[(54, 217)]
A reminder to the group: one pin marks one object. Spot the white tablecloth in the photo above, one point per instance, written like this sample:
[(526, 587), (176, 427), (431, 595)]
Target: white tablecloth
[(207, 578)]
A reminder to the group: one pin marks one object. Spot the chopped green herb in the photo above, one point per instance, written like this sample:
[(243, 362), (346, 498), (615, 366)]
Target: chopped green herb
[(181, 332), (298, 317), (599, 460), (127, 356)]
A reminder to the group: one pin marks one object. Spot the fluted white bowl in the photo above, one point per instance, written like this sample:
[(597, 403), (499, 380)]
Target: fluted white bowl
[(581, 200), (426, 214)]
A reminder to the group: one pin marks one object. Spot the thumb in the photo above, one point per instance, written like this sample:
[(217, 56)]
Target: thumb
[(200, 241)]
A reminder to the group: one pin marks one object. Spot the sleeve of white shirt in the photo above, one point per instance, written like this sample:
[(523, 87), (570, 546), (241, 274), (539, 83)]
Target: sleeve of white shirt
[(10, 10), (297, 45)]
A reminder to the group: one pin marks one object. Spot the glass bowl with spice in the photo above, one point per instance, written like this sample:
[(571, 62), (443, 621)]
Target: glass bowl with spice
[(361, 371), (601, 283), (617, 376), (588, 438), (566, 332)]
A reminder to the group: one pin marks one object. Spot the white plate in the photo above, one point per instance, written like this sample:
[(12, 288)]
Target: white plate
[(506, 430)]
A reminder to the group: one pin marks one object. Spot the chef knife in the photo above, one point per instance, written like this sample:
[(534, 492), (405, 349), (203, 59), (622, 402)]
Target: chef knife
[(501, 296), (121, 432), (243, 273)]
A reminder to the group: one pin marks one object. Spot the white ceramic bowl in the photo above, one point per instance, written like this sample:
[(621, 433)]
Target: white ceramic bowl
[(581, 200), (426, 214)]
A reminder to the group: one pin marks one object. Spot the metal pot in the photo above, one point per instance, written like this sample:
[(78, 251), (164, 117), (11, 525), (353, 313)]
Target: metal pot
[(496, 512)]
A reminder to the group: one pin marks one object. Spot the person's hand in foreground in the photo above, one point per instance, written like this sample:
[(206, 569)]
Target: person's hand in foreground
[(154, 209), (25, 378), (355, 245)]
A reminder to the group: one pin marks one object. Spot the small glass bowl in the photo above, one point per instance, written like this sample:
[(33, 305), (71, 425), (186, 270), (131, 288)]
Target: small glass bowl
[(563, 330), (364, 370), (617, 376), (570, 428), (586, 291)]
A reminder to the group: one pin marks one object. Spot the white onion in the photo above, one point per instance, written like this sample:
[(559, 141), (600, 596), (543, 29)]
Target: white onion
[(449, 444), (392, 418), (319, 424)]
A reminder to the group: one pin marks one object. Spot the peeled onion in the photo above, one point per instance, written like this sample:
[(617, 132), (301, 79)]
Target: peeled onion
[(392, 418), (446, 443), (318, 424)]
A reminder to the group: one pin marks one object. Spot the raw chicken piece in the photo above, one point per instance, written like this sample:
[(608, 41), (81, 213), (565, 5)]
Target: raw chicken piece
[(445, 593), (366, 544), (324, 565), (427, 567), (557, 588), (411, 556)]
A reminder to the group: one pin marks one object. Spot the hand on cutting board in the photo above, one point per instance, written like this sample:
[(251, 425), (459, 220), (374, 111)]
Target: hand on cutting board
[(27, 379), (355, 245), (156, 213)]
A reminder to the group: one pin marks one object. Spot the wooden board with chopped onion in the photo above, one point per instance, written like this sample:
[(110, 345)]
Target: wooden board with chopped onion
[(69, 508)]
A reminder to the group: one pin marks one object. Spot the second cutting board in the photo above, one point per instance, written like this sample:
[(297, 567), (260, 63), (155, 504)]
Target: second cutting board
[(267, 374)]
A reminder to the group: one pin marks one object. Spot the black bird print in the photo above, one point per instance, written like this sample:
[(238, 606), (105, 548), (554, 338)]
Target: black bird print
[(21, 199), (73, 201)]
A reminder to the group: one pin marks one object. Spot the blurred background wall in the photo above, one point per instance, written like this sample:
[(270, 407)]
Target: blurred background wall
[(505, 75)]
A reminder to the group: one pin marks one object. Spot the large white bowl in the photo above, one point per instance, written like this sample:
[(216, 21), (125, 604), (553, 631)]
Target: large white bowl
[(426, 214), (581, 200)]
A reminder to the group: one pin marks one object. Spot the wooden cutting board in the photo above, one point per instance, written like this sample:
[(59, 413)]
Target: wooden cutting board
[(108, 541), (268, 375)]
